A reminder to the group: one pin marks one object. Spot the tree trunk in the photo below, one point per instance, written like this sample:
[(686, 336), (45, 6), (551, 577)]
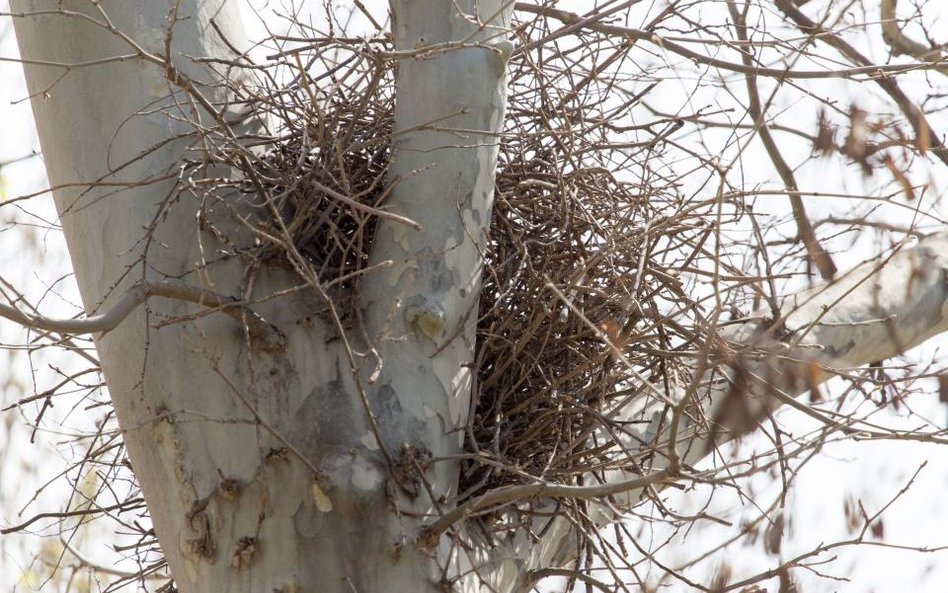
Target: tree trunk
[(305, 467)]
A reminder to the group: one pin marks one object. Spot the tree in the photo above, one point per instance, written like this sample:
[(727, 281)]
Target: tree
[(287, 313)]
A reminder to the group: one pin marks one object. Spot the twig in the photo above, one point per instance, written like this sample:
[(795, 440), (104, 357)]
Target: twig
[(508, 494)]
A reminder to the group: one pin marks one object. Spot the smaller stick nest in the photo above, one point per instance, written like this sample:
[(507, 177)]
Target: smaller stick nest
[(327, 172)]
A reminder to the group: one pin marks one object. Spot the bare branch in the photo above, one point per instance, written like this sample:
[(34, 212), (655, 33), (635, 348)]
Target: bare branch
[(900, 43), (138, 294), (871, 71), (508, 494), (818, 256), (887, 83)]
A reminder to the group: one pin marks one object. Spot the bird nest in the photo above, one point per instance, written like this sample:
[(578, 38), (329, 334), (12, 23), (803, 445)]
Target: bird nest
[(582, 295)]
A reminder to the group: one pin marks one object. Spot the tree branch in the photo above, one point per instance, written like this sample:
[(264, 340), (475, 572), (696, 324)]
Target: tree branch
[(901, 44), (874, 312), (817, 255), (508, 494), (138, 294), (909, 109), (875, 71)]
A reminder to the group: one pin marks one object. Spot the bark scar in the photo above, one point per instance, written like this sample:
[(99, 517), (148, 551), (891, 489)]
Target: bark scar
[(202, 545)]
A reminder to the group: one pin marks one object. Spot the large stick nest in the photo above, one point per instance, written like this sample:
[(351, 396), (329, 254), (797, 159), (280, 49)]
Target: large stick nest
[(586, 242)]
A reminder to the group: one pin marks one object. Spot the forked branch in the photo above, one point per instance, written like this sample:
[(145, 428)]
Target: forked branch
[(903, 45)]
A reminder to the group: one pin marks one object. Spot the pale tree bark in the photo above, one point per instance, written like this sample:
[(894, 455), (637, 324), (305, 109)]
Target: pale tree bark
[(867, 315), (278, 449), (872, 313)]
